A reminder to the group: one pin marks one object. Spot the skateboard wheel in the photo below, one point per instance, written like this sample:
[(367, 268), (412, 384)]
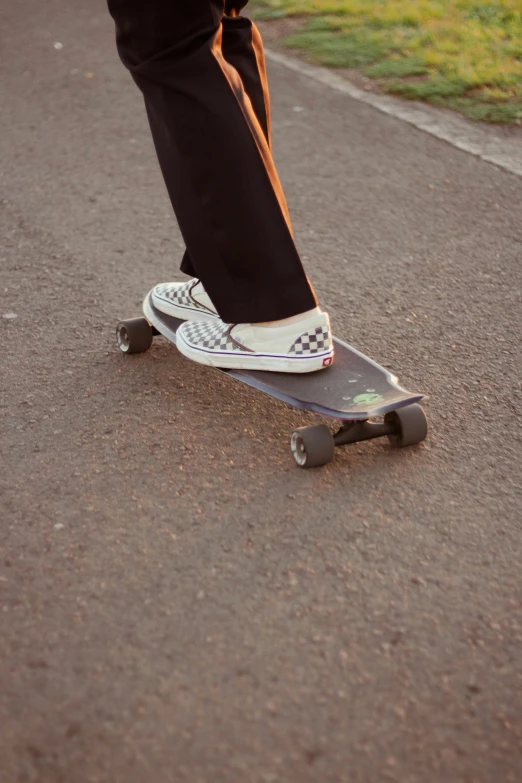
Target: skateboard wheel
[(134, 335), (312, 446), (410, 425)]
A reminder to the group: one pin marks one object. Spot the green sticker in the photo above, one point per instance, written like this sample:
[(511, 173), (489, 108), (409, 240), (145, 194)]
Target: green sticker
[(366, 399)]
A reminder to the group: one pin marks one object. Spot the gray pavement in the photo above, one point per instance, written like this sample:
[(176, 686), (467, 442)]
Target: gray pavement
[(179, 602)]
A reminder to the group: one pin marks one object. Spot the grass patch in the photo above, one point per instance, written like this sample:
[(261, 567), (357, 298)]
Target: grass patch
[(462, 54)]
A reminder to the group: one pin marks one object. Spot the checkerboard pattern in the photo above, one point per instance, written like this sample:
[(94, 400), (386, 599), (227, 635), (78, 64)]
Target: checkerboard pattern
[(210, 337), (312, 342), (180, 295)]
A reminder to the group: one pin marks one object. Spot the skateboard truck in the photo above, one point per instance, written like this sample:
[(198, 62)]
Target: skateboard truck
[(314, 446)]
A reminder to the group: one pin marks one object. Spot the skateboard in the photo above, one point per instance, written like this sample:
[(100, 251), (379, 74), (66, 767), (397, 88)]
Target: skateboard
[(354, 391)]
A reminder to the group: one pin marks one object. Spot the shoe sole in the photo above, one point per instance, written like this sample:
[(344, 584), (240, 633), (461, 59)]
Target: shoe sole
[(258, 361), (181, 312)]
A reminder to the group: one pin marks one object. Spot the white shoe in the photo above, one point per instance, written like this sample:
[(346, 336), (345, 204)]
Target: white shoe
[(302, 346), (187, 301)]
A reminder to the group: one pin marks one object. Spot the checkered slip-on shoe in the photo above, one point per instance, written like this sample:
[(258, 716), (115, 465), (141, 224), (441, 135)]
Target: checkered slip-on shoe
[(188, 301), (305, 346)]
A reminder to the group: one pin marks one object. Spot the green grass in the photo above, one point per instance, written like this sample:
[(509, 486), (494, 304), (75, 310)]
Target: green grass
[(461, 54)]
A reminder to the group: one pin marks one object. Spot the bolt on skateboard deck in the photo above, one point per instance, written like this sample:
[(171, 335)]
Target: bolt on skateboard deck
[(353, 390)]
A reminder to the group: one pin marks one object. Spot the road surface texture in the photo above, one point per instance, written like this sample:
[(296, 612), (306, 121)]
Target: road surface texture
[(178, 601)]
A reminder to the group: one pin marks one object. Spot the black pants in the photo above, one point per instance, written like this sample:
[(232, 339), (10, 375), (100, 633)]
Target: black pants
[(202, 75)]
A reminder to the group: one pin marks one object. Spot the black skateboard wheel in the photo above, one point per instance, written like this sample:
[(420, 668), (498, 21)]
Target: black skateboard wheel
[(312, 446), (134, 335), (410, 425)]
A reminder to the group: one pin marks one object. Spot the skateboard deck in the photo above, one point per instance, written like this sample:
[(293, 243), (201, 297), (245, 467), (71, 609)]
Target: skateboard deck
[(354, 388)]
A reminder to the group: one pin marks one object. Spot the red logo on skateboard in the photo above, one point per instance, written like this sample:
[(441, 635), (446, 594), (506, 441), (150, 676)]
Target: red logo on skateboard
[(327, 362)]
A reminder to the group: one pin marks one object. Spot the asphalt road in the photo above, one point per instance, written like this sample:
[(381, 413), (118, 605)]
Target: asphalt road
[(178, 601)]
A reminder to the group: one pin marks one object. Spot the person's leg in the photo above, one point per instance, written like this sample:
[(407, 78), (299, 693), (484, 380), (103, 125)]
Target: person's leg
[(215, 159), (242, 47)]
